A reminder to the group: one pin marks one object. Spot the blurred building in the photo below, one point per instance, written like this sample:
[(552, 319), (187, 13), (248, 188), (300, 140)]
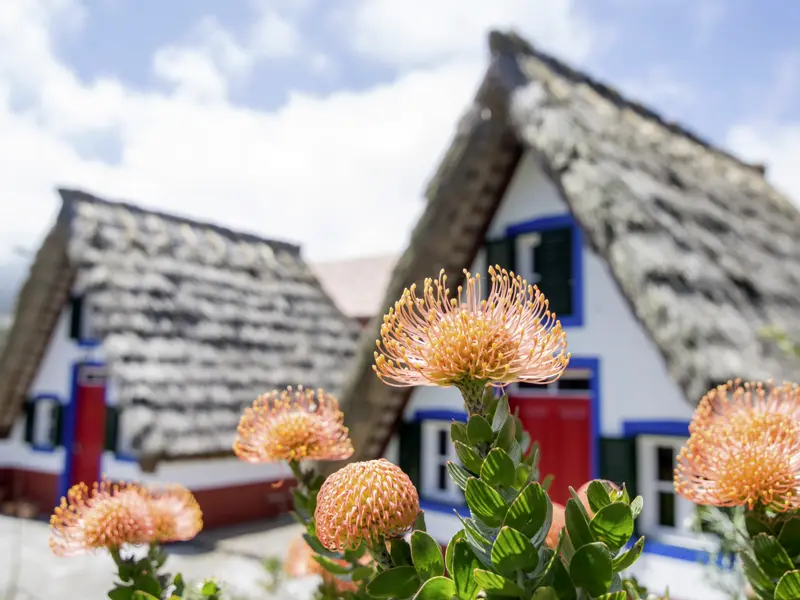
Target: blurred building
[(138, 339), (663, 256)]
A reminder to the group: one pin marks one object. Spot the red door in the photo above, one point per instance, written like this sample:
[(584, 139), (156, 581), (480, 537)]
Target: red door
[(90, 424), (562, 426)]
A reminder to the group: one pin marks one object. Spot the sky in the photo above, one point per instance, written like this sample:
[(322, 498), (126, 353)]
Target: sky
[(319, 122)]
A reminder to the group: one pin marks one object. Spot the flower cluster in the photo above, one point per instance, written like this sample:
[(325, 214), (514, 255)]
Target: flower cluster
[(365, 502), (111, 515), (744, 448), (470, 342), (294, 425)]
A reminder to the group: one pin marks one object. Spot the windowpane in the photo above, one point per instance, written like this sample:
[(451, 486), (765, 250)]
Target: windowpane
[(444, 441), (552, 263), (442, 483), (666, 509), (665, 465)]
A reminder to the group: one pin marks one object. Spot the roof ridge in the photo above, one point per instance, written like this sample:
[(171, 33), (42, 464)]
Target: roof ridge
[(71, 196), (512, 43)]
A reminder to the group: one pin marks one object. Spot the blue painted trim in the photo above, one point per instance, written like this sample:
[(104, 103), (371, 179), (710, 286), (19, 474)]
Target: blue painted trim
[(439, 415), (41, 398), (724, 561), (68, 434), (673, 428), (88, 344), (595, 407), (553, 222), (443, 507)]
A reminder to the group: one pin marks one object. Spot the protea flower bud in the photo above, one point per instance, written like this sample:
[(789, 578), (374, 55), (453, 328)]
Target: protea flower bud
[(365, 502)]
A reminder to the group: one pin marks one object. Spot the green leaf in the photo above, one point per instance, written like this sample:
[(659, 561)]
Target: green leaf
[(427, 556), (463, 570), (545, 593), (515, 452), (147, 583), (331, 566), (512, 552), (563, 584), (399, 582), (597, 494), (790, 537), (577, 524), (209, 588), (591, 568), (501, 413), (400, 551), (458, 433), (485, 502), (317, 547), (531, 513), (771, 556), (523, 471), (479, 431), (788, 587), (755, 525), (613, 596), (498, 468), (179, 584), (121, 593), (505, 437), (300, 503), (140, 595), (497, 584), (451, 548), (353, 555), (458, 474), (519, 428), (630, 556), (436, 588), (636, 506), (479, 544), (419, 523), (468, 457), (361, 573), (613, 525), (762, 585), (548, 481)]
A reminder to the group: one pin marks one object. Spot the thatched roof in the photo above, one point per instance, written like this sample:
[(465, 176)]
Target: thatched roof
[(196, 321), (703, 248)]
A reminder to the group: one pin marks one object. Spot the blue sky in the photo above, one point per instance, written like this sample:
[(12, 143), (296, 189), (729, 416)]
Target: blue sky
[(320, 122)]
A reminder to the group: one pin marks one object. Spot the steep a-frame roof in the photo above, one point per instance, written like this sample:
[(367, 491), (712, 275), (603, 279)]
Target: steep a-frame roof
[(703, 248), (196, 321)]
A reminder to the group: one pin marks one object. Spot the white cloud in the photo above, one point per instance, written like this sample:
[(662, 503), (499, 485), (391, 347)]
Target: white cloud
[(342, 173), (419, 32)]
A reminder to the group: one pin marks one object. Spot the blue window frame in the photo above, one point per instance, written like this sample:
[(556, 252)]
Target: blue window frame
[(43, 422)]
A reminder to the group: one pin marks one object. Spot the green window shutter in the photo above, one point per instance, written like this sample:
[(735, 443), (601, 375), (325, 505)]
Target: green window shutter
[(30, 416), (58, 425), (552, 262), (409, 435), (501, 252), (618, 462), (112, 427), (75, 323)]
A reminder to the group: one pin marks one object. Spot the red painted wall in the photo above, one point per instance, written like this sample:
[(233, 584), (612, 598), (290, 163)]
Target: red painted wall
[(30, 486)]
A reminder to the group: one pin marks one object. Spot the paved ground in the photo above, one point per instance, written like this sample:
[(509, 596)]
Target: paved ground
[(233, 555)]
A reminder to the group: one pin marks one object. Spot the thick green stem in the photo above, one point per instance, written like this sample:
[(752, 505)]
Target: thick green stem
[(472, 391)]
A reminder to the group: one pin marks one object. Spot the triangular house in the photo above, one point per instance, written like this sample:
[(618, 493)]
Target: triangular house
[(138, 339), (663, 256)]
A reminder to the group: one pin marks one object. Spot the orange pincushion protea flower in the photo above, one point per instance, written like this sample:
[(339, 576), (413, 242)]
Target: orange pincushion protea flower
[(469, 342), (176, 514), (744, 448), (556, 525), (108, 516), (365, 502), (293, 425)]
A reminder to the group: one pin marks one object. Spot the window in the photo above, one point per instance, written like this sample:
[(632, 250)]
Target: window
[(547, 252), (574, 382), (436, 451), (43, 422), (120, 432), (544, 258), (669, 514), (80, 327)]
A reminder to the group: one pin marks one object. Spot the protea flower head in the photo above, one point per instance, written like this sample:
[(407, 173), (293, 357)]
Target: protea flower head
[(176, 514), (107, 516), (469, 342), (293, 424), (365, 502), (743, 448), (556, 525)]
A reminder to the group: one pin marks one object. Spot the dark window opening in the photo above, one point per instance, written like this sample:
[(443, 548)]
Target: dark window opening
[(552, 264), (444, 442), (574, 384), (665, 463), (442, 481), (666, 509)]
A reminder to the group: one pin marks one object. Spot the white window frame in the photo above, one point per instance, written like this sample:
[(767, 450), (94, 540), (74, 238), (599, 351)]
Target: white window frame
[(44, 420), (649, 486), (431, 459), (123, 448), (525, 245), (553, 389)]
